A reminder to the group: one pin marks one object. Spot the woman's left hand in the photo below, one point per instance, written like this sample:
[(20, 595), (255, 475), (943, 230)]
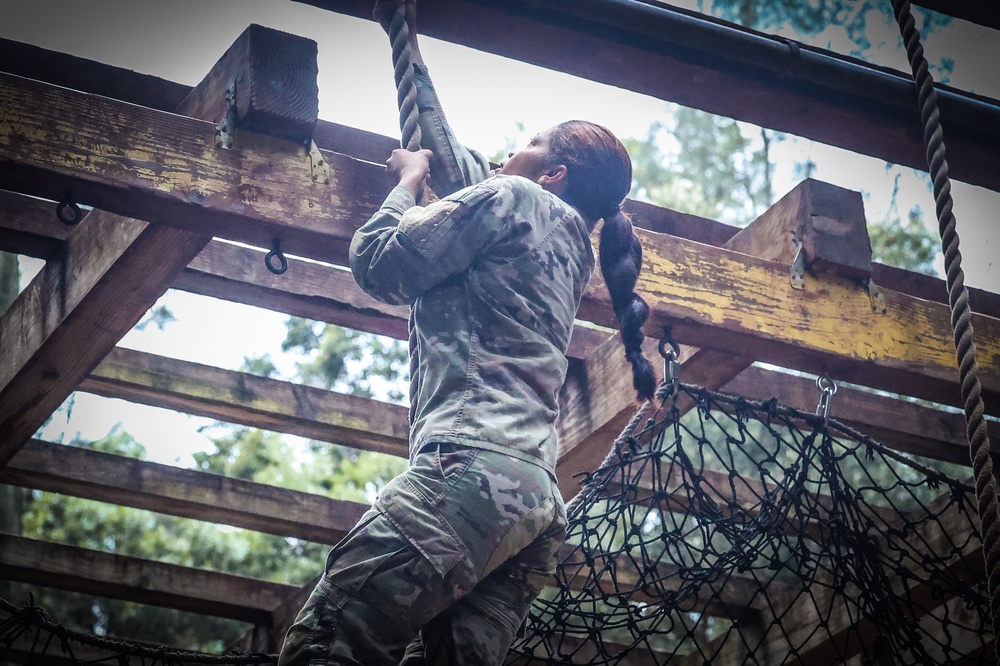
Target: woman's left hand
[(410, 169)]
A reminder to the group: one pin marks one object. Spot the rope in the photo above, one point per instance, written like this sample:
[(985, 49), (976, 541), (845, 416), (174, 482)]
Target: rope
[(708, 537), (958, 301), (406, 99)]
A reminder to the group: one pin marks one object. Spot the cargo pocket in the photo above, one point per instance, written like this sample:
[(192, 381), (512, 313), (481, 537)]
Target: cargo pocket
[(421, 524)]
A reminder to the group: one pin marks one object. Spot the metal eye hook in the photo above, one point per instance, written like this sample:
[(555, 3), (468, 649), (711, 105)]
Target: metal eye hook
[(74, 214), (828, 388), (275, 253)]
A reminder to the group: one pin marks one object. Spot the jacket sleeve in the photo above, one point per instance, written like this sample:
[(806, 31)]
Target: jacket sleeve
[(404, 250), (453, 166)]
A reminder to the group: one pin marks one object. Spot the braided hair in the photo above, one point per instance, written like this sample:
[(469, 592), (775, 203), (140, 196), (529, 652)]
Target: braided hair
[(599, 176)]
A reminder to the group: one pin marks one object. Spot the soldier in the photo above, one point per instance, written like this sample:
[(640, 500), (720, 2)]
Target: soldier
[(446, 563)]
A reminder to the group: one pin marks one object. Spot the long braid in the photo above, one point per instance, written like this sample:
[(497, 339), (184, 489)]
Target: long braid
[(599, 177), (621, 261)]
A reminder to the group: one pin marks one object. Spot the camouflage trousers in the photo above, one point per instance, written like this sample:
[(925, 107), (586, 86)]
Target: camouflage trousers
[(451, 555)]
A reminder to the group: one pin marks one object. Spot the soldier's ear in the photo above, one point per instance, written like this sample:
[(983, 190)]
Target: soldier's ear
[(554, 179)]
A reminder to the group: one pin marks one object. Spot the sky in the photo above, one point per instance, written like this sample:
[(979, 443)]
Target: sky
[(182, 39)]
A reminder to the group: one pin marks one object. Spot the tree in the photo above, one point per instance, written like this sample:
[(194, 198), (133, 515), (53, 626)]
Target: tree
[(329, 356), (705, 165)]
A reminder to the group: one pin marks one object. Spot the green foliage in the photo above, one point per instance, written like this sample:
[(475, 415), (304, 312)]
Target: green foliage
[(348, 361), (158, 317), (813, 17), (262, 366), (910, 245), (705, 165)]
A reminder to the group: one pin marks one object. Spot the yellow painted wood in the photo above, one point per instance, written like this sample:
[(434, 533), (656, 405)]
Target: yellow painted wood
[(719, 299), (715, 299)]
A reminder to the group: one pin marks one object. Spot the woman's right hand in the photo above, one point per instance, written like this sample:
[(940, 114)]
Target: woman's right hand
[(410, 169)]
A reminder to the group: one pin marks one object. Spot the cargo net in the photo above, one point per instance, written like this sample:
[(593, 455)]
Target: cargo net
[(749, 533)]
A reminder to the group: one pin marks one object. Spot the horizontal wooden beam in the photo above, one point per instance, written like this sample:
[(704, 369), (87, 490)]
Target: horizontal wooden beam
[(712, 297), (166, 168), (143, 581), (899, 424), (259, 402), (129, 86), (71, 470), (718, 299), (697, 61)]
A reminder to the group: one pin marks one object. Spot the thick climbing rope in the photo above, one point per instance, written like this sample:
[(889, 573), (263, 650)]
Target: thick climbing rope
[(958, 301), (406, 99)]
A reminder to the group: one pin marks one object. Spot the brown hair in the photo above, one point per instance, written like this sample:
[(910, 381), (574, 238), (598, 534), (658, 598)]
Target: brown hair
[(599, 176)]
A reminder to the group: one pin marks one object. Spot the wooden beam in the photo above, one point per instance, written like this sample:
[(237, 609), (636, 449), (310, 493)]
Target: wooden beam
[(143, 581), (258, 402), (166, 168), (701, 62), (91, 76), (70, 470), (719, 299), (899, 424), (712, 297), (826, 223), (112, 269), (30, 226)]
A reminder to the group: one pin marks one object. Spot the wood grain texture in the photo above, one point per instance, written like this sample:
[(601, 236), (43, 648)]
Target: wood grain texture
[(259, 402), (720, 68), (105, 477), (143, 581), (111, 269)]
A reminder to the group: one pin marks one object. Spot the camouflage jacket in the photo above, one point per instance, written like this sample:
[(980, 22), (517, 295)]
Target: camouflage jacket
[(494, 273)]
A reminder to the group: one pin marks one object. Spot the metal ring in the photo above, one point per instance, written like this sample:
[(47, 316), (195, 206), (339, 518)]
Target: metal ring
[(826, 385), (668, 339), (275, 253), (76, 213)]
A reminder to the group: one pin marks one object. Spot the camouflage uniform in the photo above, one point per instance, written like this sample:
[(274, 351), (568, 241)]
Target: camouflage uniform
[(458, 546)]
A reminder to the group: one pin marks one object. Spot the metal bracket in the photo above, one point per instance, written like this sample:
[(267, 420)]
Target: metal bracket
[(877, 298), (319, 167), (797, 271), (224, 130)]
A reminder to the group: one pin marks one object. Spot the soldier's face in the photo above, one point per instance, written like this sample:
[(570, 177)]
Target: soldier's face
[(532, 161)]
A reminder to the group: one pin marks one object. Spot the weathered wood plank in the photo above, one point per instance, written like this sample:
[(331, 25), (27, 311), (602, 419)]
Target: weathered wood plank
[(259, 402), (105, 477), (29, 226), (722, 300), (143, 581), (91, 76), (166, 168), (111, 269), (712, 297), (825, 221), (274, 77)]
